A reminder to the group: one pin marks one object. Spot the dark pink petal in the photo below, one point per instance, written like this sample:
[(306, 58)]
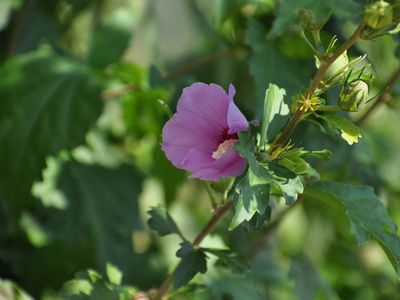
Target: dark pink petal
[(236, 120), (231, 164), (209, 102)]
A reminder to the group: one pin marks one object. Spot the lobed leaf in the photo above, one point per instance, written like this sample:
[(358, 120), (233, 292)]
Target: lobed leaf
[(366, 212), (161, 221), (193, 261)]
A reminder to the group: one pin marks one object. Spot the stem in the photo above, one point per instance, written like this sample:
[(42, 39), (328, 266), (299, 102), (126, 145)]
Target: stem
[(219, 213), (315, 82), (387, 87), (214, 202)]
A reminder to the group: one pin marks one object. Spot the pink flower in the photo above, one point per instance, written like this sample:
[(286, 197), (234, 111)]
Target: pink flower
[(200, 137)]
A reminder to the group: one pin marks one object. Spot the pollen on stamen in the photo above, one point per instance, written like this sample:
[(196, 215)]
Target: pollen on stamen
[(224, 147)]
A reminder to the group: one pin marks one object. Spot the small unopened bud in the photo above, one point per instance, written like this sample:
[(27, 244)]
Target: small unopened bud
[(354, 96), (336, 71), (378, 14), (307, 19)]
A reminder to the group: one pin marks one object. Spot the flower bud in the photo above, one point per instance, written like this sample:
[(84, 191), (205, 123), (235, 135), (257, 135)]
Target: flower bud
[(336, 71), (307, 19), (378, 14), (354, 96)]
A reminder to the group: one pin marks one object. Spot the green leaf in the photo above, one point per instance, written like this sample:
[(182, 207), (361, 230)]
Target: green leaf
[(5, 10), (293, 160), (288, 182), (275, 113), (366, 213), (286, 14), (228, 259), (90, 284), (109, 42), (161, 221), (11, 291), (237, 287), (253, 198), (34, 231), (114, 274), (348, 131), (269, 64), (193, 261), (96, 227), (307, 280), (48, 104)]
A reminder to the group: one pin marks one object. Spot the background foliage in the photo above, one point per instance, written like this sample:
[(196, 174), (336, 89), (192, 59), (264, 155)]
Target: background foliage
[(81, 164)]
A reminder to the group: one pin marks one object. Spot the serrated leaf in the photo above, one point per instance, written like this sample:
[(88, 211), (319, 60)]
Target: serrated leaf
[(48, 104), (253, 198), (193, 261), (349, 131), (366, 213), (161, 221), (275, 113)]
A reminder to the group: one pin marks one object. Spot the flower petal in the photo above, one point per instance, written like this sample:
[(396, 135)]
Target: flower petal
[(209, 102), (195, 160), (231, 164), (185, 131), (236, 120)]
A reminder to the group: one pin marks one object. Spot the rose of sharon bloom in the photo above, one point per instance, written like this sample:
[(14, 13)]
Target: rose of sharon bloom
[(200, 137)]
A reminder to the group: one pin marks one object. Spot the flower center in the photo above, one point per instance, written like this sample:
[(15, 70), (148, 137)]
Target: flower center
[(224, 147)]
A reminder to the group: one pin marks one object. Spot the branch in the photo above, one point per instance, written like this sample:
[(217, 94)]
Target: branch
[(295, 119), (386, 89), (219, 213)]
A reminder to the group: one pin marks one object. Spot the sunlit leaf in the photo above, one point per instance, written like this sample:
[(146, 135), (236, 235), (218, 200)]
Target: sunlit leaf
[(275, 113), (348, 131)]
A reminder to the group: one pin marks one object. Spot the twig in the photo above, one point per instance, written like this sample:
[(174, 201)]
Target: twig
[(219, 213), (295, 119), (16, 31), (382, 98)]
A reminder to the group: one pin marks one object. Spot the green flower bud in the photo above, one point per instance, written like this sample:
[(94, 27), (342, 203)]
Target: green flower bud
[(354, 96), (378, 14), (307, 19), (336, 71)]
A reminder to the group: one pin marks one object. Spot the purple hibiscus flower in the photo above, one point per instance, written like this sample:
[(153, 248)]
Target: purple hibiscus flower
[(201, 135)]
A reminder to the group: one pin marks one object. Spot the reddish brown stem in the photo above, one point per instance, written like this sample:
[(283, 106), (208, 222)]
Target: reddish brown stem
[(295, 119), (219, 213)]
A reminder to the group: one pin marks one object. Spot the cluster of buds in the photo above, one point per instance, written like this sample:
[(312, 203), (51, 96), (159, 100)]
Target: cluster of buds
[(378, 14)]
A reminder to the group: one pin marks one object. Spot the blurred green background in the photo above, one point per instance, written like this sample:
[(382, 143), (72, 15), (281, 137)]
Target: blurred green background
[(80, 157)]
